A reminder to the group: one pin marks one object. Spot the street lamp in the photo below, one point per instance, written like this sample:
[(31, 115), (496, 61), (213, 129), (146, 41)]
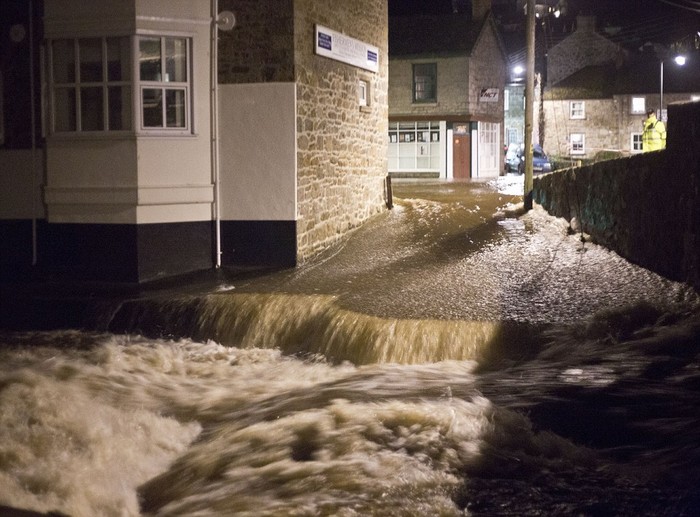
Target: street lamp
[(680, 61)]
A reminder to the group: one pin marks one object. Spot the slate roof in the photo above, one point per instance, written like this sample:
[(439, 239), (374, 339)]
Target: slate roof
[(434, 35), (641, 75)]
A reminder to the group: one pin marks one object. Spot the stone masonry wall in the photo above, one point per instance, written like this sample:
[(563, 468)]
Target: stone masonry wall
[(452, 97), (341, 147), (645, 207), (261, 46), (487, 69)]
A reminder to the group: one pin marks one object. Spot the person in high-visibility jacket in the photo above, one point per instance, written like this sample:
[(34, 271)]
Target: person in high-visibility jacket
[(654, 135)]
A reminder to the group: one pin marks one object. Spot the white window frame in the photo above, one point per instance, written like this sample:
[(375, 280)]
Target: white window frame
[(636, 142), (575, 147), (638, 105), (577, 110), (362, 92), (415, 146), (165, 86), (78, 85), (506, 99)]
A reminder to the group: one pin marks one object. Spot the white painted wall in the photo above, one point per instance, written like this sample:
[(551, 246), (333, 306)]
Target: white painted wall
[(258, 165), (143, 177)]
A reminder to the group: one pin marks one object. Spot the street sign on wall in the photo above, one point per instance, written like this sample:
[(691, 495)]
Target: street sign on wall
[(488, 95), (340, 47)]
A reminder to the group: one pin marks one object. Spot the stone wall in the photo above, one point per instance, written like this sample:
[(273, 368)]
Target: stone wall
[(487, 69), (645, 207), (608, 123), (341, 147), (452, 97), (260, 48)]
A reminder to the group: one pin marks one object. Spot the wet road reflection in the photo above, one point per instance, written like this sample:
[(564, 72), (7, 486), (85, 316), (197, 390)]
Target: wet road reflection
[(465, 250)]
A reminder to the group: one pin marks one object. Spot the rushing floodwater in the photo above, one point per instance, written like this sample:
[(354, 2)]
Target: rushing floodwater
[(451, 358)]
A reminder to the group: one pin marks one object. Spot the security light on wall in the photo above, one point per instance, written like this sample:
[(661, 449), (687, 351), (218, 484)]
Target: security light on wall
[(226, 20)]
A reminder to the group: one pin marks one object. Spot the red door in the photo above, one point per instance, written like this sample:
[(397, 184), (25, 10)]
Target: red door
[(461, 156)]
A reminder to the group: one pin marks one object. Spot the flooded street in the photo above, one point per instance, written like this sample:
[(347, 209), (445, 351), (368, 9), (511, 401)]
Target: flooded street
[(452, 357)]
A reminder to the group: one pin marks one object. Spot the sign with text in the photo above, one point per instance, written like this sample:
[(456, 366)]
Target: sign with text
[(488, 95), (340, 47)]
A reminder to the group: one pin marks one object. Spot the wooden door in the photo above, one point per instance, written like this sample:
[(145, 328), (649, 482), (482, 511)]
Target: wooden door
[(461, 156)]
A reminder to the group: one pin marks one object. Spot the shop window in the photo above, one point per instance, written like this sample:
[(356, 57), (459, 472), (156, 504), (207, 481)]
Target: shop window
[(578, 143), (90, 84), (164, 82), (425, 82), (577, 110)]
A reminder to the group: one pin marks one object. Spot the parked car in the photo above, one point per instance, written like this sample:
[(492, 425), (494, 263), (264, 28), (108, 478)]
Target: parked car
[(515, 161)]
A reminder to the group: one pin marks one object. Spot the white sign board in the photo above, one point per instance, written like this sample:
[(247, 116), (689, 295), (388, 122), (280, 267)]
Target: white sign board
[(488, 95), (340, 47)]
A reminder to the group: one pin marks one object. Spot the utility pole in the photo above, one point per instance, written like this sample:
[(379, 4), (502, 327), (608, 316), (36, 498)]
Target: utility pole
[(529, 101)]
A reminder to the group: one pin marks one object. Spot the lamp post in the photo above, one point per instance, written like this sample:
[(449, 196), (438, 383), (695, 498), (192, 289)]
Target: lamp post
[(680, 61), (529, 107)]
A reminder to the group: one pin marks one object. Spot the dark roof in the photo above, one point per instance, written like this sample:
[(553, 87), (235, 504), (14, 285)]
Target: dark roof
[(433, 34), (640, 75)]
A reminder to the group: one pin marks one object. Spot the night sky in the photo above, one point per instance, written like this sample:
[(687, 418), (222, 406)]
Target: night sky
[(629, 8)]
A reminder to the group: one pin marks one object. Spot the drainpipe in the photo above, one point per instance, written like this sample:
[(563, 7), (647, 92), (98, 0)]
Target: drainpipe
[(33, 129), (214, 117)]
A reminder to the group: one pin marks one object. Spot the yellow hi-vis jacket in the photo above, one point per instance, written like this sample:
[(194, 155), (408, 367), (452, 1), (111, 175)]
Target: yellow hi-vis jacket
[(654, 135)]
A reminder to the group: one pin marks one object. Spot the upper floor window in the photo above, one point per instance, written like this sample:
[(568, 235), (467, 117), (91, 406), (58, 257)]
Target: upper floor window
[(577, 110), (92, 80), (164, 82), (578, 143), (91, 84), (425, 82), (638, 105)]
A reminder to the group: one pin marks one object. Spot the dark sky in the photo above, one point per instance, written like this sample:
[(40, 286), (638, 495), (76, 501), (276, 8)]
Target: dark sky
[(621, 7)]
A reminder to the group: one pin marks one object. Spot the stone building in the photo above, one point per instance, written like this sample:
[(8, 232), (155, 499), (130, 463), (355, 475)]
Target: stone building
[(596, 101), (446, 80), (140, 164)]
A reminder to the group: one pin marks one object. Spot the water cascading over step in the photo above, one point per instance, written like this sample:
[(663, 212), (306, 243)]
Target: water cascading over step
[(307, 325)]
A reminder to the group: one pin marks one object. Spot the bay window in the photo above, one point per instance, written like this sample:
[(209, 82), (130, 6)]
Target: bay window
[(164, 82), (92, 81), (91, 84)]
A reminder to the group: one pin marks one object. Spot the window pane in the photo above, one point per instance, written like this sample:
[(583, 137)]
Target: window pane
[(119, 104), (64, 109), (175, 108), (90, 60), (118, 59), (91, 109), (424, 81), (175, 60), (149, 59), (152, 101), (63, 61)]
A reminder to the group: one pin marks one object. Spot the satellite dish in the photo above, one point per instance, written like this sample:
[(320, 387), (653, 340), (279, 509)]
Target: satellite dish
[(226, 20)]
